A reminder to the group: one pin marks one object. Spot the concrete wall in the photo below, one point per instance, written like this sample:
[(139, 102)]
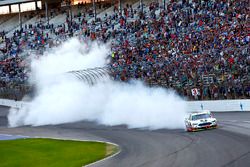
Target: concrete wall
[(212, 105), (11, 103), (220, 105)]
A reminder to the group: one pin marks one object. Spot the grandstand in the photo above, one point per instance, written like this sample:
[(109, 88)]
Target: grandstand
[(178, 44)]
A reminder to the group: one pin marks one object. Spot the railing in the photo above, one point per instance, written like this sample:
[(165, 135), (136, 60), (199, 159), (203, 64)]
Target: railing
[(93, 75), (17, 91)]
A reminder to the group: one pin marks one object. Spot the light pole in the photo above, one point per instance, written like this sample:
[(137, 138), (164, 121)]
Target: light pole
[(46, 12), (141, 5), (71, 17), (94, 9), (120, 6), (68, 4), (20, 17)]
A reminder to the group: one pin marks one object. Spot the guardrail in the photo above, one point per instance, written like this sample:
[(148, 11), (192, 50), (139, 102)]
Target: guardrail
[(212, 105)]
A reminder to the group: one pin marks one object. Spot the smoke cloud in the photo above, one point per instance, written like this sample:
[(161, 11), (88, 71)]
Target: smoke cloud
[(63, 98)]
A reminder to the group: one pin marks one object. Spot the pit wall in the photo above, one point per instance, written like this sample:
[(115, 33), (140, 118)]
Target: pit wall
[(240, 105)]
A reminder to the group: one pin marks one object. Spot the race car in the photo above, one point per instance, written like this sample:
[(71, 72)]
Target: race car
[(200, 120)]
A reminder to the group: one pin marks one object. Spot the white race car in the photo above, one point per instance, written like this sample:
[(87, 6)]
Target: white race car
[(200, 120)]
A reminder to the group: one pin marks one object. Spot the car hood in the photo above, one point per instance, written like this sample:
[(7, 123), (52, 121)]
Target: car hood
[(203, 120)]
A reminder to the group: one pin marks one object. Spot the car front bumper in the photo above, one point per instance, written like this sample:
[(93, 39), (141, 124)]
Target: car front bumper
[(197, 128)]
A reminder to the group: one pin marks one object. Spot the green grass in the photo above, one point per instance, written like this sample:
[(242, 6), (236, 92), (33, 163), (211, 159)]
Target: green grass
[(51, 153)]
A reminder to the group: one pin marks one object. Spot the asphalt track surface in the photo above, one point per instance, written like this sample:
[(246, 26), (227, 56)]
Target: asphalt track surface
[(229, 145)]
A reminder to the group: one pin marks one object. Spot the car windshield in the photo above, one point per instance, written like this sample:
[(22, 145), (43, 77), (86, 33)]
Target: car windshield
[(200, 116)]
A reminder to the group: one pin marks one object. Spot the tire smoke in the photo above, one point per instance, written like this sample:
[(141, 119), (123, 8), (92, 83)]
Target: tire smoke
[(63, 98)]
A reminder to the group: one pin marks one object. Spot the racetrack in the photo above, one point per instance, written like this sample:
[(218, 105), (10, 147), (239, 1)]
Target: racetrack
[(229, 145)]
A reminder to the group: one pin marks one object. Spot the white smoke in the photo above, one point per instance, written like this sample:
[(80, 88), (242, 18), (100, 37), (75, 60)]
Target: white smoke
[(63, 98)]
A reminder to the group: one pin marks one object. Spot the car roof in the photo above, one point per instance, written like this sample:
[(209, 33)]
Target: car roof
[(200, 112)]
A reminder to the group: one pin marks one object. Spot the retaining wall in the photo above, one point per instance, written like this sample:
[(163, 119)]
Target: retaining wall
[(212, 105)]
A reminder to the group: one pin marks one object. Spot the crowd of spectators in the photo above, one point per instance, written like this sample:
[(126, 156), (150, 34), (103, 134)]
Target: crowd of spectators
[(202, 45), (32, 40), (198, 48)]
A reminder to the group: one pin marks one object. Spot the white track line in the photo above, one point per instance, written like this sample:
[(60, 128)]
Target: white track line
[(111, 156), (13, 135)]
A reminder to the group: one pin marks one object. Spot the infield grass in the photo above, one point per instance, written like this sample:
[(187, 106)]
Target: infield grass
[(39, 152)]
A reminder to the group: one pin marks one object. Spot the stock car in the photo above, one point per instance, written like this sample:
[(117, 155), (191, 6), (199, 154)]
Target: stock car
[(200, 120)]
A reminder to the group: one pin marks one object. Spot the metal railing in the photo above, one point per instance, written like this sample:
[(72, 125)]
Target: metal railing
[(92, 75)]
